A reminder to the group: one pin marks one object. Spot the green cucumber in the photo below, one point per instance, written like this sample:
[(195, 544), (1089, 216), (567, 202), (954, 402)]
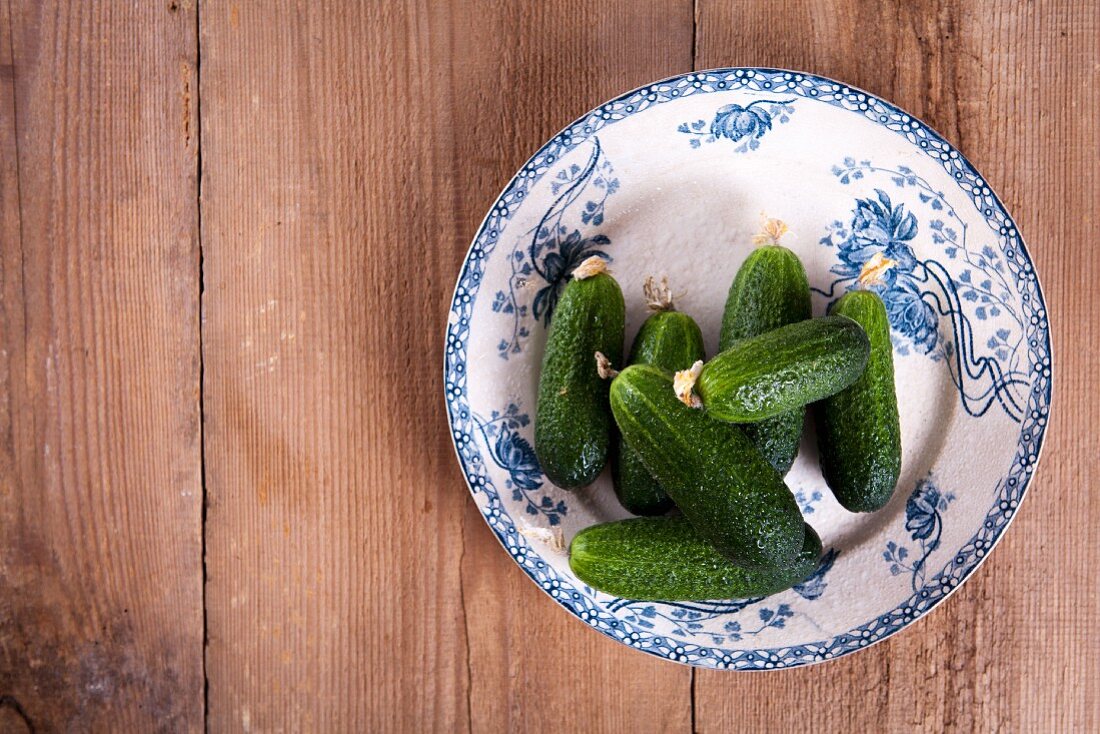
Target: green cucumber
[(783, 369), (858, 432), (572, 423), (725, 488), (670, 340), (769, 291), (666, 559)]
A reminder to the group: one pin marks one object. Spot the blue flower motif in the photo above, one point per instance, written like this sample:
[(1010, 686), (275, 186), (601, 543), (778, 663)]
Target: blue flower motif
[(909, 314), (922, 511), (735, 122), (814, 585), (806, 504), (878, 226), (557, 267), (515, 454), (745, 124), (924, 520)]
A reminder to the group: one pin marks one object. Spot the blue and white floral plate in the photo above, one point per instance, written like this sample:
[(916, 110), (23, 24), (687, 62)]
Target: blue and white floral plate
[(673, 179)]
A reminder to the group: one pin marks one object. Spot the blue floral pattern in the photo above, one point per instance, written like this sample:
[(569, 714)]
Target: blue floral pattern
[(512, 452), (924, 521), (560, 242), (1009, 249), (814, 586), (807, 499), (917, 293), (687, 619), (739, 124), (557, 267), (878, 226)]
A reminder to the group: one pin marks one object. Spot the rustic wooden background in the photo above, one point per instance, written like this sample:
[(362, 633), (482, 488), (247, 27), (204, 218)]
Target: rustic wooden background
[(229, 232)]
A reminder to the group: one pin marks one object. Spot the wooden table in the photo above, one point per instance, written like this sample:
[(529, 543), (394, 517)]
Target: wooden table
[(230, 231)]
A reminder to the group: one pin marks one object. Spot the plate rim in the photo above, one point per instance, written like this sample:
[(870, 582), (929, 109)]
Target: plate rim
[(763, 659)]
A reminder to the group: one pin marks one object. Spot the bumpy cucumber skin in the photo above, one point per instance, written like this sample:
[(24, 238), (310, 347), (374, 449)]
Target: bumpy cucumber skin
[(666, 559), (769, 291), (858, 431), (573, 422), (725, 488), (673, 341), (784, 369)]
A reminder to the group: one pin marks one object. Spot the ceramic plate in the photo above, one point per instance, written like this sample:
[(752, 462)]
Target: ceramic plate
[(673, 179)]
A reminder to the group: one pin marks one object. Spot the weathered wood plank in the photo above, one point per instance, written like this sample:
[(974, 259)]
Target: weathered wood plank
[(349, 152), (333, 543), (100, 465)]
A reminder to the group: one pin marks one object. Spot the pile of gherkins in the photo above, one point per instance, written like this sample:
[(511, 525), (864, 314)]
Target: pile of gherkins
[(714, 439)]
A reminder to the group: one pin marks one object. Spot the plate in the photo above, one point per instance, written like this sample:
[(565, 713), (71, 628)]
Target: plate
[(674, 179)]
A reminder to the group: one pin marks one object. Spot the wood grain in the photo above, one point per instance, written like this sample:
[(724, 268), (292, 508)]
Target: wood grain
[(1013, 85), (100, 466), (349, 151), (333, 545)]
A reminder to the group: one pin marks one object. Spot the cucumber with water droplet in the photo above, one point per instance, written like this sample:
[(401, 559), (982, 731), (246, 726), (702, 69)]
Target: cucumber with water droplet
[(783, 369), (858, 430), (673, 341), (666, 559), (769, 291), (573, 422), (721, 483)]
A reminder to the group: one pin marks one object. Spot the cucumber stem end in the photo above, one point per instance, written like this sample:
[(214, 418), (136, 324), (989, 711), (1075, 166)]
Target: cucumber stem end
[(684, 383)]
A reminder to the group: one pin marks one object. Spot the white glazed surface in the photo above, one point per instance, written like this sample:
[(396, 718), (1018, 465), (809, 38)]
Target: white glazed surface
[(673, 180)]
